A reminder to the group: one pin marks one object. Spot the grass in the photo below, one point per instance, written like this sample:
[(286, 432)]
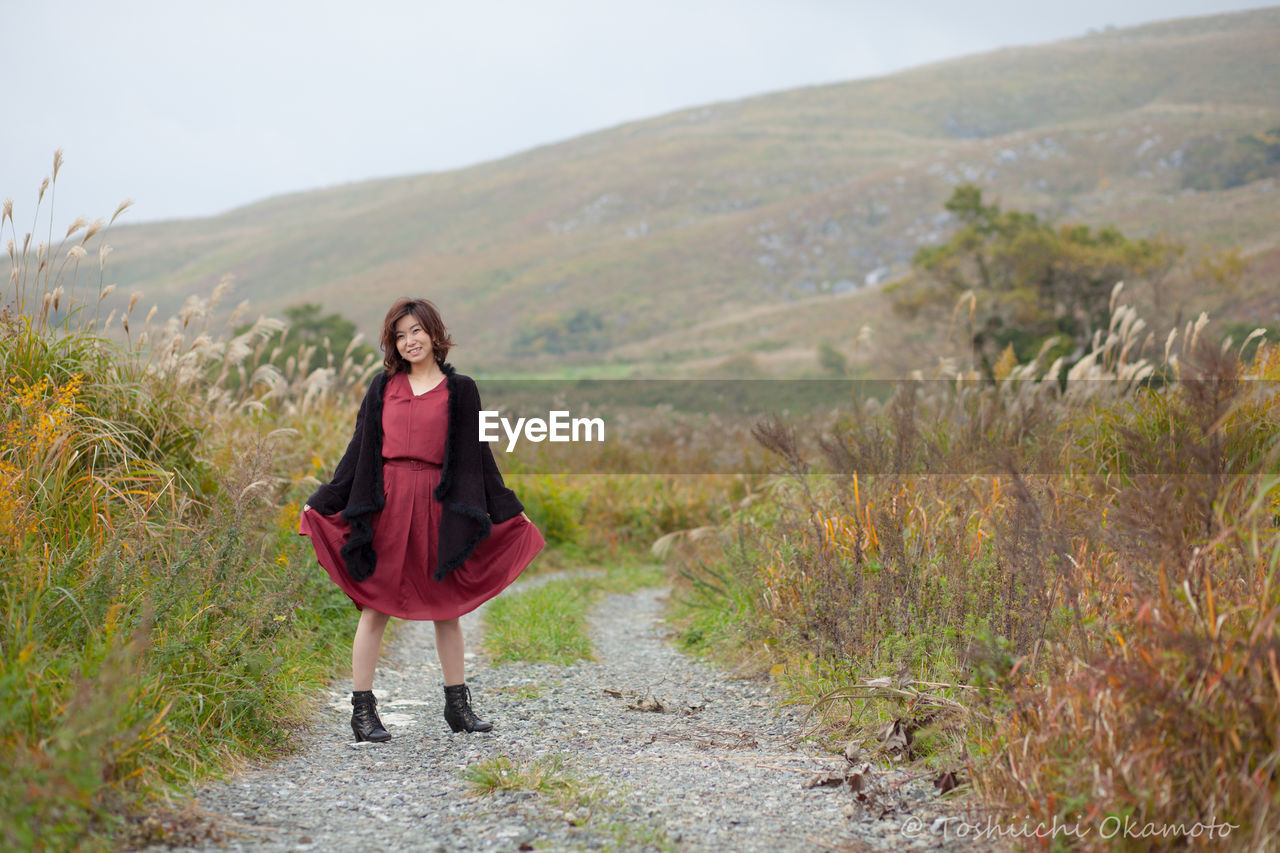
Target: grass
[(1066, 589), (160, 620), (546, 775), (521, 691), (591, 803), (549, 622)]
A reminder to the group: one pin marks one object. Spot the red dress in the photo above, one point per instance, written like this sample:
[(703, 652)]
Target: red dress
[(414, 427)]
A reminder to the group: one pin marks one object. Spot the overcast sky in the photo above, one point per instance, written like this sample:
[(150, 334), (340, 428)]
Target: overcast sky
[(192, 108)]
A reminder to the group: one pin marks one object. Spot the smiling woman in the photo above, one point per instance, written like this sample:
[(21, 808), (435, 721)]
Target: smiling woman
[(417, 522)]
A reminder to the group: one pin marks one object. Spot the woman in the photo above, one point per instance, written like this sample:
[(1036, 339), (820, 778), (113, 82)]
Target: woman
[(417, 522)]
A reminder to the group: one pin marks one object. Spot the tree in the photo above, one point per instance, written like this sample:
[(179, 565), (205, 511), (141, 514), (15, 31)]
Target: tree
[(1031, 281), (1211, 164), (319, 335), (581, 330), (832, 360)]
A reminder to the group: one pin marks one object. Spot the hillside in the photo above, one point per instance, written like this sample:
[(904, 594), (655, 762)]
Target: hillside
[(756, 226)]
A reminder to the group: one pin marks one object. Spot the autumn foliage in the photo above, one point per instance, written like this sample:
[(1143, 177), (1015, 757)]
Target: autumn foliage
[(1063, 578)]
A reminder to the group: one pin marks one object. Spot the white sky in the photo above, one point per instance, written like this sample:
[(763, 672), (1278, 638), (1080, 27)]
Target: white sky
[(192, 107)]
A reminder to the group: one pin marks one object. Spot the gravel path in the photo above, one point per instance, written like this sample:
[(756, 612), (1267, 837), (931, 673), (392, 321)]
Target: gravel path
[(717, 768)]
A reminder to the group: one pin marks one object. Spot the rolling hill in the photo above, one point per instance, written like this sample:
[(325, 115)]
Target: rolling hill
[(755, 228)]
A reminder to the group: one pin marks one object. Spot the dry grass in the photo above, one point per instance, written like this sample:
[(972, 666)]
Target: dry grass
[(159, 619), (1066, 579)]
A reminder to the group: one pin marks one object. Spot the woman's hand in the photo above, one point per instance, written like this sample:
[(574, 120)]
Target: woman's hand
[(306, 507)]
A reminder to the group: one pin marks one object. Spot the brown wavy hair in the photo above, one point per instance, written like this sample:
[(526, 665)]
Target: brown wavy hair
[(428, 316)]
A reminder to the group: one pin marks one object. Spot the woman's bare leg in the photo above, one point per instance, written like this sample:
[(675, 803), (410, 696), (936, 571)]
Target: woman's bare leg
[(366, 648), (449, 647)]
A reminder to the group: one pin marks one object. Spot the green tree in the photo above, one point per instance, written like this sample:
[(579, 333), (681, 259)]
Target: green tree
[(581, 330), (1030, 280), (1211, 164), (317, 335), (832, 360)]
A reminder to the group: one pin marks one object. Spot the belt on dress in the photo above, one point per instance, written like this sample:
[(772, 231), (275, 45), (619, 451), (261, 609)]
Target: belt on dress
[(411, 464)]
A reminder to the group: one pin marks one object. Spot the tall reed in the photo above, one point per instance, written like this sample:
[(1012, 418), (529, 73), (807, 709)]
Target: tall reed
[(1065, 578), (160, 618)]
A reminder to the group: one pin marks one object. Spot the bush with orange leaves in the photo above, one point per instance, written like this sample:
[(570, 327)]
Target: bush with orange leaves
[(33, 425)]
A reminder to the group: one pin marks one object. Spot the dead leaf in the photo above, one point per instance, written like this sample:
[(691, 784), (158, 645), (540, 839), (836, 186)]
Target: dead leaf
[(860, 779), (947, 781), (895, 739), (648, 703), (857, 780), (826, 780)]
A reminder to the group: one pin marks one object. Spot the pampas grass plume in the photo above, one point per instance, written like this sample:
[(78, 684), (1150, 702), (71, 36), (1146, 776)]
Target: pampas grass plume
[(219, 292), (75, 226), (234, 319), (121, 208)]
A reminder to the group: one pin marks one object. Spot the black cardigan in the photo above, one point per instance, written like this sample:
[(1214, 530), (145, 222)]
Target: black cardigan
[(471, 492)]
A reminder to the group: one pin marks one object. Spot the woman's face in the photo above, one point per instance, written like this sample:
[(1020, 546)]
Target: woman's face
[(412, 341)]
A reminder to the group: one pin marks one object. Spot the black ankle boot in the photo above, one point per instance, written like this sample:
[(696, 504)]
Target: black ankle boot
[(364, 718), (458, 713)]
